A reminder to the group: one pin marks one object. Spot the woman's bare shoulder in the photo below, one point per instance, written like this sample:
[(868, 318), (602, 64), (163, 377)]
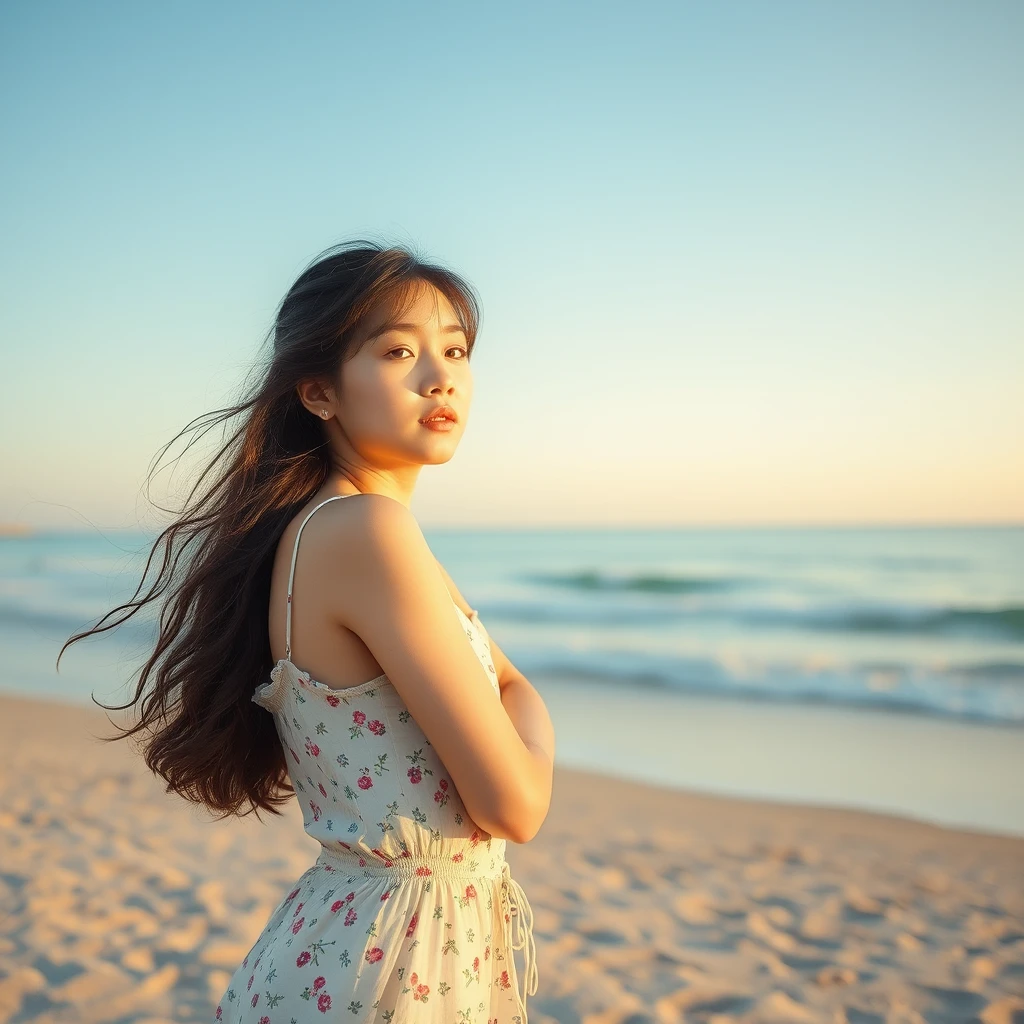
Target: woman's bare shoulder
[(331, 538), (338, 521), (378, 512), (373, 520)]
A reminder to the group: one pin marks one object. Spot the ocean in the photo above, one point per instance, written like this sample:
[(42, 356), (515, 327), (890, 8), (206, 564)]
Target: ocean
[(929, 620)]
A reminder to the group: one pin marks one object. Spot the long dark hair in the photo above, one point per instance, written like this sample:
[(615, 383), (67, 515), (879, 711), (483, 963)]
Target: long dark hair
[(205, 736)]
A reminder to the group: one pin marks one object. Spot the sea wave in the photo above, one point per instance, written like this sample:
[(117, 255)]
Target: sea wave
[(964, 691), (641, 583), (1002, 622)]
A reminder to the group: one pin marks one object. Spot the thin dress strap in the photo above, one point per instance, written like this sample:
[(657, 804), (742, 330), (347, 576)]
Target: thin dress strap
[(291, 575)]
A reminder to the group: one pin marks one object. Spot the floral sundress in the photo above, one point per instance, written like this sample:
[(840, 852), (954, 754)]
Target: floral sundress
[(407, 914)]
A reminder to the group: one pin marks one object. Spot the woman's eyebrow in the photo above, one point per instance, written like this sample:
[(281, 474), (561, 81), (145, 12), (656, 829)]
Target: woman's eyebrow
[(415, 329)]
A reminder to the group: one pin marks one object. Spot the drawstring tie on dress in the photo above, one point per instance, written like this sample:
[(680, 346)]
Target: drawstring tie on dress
[(516, 901)]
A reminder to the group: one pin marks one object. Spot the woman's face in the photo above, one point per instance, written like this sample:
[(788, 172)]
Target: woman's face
[(398, 377)]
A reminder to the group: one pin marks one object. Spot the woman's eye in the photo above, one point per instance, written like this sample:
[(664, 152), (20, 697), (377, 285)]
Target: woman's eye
[(458, 348)]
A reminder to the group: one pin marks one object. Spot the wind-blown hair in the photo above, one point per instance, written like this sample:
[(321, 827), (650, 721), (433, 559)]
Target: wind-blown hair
[(204, 735)]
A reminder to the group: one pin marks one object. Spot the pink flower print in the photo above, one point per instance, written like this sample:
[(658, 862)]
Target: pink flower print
[(332, 700), (255, 999), (323, 1004), (476, 963), (297, 926), (311, 748), (350, 917), (252, 978), (443, 783), (415, 775), (364, 782), (377, 728), (292, 895), (359, 717), (320, 786), (487, 952), (294, 755), (245, 962), (264, 1019), (298, 908), (423, 870), (470, 892), (412, 925), (316, 810), (457, 857), (373, 955), (319, 984), (475, 837), (338, 904), (303, 958), (220, 1010), (503, 980), (418, 991)]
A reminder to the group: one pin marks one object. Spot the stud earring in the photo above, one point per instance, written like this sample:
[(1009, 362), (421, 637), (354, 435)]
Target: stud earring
[(323, 412)]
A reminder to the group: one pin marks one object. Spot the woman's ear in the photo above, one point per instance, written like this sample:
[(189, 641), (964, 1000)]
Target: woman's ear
[(316, 397)]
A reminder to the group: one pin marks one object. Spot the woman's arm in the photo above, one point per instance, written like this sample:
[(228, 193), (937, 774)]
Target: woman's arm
[(528, 713), (504, 668)]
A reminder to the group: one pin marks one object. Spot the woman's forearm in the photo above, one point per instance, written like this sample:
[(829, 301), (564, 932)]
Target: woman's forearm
[(529, 714)]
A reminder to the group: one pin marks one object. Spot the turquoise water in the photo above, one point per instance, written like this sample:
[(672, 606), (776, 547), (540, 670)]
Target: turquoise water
[(927, 620)]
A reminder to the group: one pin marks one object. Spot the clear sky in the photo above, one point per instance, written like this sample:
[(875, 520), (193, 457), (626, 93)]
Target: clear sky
[(739, 262)]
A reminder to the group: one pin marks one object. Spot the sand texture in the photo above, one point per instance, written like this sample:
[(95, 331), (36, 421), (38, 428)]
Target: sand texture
[(122, 903)]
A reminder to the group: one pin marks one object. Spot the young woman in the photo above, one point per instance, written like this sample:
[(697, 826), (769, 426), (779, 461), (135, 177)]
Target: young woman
[(347, 670)]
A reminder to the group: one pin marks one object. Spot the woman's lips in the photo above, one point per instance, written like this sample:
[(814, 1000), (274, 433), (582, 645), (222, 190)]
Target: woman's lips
[(443, 425)]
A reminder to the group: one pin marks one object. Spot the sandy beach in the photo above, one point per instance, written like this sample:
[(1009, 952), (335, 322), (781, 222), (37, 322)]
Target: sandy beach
[(123, 903)]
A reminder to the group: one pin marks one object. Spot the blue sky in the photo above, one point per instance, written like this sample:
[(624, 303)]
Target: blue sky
[(739, 262)]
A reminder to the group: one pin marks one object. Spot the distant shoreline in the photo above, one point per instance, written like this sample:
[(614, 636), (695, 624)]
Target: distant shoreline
[(448, 526)]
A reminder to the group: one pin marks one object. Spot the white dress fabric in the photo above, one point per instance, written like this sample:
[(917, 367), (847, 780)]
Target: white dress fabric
[(407, 915)]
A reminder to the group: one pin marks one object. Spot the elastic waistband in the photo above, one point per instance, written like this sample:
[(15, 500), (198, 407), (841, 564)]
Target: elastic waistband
[(403, 867), (514, 903)]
